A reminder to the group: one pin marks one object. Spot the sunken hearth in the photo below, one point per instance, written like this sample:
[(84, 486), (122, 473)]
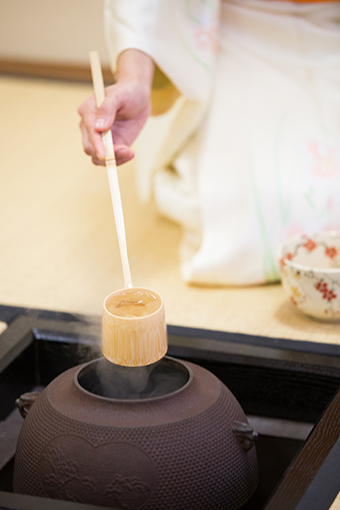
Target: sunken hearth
[(284, 387)]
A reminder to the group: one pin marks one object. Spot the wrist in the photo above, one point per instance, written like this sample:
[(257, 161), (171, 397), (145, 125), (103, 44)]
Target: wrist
[(135, 65)]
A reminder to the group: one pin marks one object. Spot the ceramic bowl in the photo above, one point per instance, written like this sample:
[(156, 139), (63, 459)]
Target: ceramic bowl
[(310, 273)]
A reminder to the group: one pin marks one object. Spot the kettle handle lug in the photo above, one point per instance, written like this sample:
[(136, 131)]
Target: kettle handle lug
[(245, 434), (25, 402)]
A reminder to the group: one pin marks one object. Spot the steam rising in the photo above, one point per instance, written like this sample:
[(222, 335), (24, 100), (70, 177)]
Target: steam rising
[(105, 379)]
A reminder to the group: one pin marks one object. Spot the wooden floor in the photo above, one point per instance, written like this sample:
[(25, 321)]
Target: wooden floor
[(58, 245)]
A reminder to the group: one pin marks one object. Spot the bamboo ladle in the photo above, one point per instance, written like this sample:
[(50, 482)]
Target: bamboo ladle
[(126, 341)]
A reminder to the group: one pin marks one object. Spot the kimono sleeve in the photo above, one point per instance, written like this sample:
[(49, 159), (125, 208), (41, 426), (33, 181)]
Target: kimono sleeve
[(179, 35)]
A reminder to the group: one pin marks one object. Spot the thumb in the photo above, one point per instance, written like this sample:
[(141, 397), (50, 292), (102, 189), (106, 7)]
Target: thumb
[(106, 113)]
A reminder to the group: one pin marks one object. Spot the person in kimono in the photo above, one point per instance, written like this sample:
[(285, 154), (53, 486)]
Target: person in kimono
[(235, 109)]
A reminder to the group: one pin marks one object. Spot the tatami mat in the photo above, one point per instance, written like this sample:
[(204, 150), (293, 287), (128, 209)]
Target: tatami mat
[(58, 242)]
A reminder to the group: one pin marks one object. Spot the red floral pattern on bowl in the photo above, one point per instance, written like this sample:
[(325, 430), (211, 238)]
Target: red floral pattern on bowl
[(310, 273)]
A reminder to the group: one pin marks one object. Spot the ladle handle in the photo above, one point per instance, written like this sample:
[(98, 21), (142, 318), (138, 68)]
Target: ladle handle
[(110, 160), (99, 92)]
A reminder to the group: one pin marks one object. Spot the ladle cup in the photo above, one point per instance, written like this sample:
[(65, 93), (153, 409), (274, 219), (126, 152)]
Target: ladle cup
[(133, 341)]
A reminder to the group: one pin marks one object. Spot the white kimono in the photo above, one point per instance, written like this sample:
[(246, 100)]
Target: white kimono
[(244, 150)]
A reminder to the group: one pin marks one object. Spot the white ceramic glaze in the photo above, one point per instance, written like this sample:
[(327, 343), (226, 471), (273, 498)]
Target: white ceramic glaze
[(310, 273)]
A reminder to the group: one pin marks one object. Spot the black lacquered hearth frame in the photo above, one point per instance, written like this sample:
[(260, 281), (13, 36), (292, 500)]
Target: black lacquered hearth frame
[(312, 480)]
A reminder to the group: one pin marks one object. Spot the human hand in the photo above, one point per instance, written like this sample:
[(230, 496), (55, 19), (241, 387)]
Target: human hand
[(125, 109)]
